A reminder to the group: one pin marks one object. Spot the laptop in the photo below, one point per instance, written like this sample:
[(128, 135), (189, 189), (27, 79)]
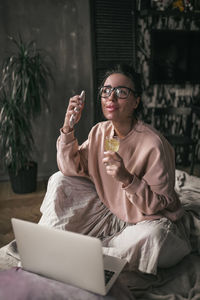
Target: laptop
[(66, 256)]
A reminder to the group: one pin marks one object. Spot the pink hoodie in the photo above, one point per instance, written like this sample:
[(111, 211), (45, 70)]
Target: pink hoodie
[(146, 154)]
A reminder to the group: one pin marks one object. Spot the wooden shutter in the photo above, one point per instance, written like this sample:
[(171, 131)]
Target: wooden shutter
[(113, 25)]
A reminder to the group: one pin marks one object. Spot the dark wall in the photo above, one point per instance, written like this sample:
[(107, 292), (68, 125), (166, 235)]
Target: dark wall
[(62, 27)]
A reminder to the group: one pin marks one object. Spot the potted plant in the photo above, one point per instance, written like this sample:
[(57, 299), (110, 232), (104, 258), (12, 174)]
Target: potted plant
[(24, 93)]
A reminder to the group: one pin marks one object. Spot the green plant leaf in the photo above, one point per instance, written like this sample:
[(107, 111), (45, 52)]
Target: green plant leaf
[(24, 91)]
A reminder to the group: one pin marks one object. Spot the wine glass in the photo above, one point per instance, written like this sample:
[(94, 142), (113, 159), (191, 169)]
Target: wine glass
[(111, 143)]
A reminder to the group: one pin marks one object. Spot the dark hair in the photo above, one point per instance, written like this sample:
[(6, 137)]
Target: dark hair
[(129, 71)]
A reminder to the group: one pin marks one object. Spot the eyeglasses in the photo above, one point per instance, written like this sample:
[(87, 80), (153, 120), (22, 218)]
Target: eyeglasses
[(121, 92)]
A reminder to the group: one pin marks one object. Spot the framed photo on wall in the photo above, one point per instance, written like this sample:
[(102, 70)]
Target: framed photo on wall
[(175, 56)]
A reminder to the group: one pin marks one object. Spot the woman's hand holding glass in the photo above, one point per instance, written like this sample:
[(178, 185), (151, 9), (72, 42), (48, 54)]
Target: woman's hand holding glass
[(114, 163)]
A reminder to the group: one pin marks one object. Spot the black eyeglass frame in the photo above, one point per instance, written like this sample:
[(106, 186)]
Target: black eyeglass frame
[(114, 89)]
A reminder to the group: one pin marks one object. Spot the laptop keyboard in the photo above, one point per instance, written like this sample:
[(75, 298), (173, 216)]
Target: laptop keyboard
[(108, 275)]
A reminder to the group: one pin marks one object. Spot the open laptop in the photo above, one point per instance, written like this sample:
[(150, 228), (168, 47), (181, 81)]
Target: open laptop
[(65, 256)]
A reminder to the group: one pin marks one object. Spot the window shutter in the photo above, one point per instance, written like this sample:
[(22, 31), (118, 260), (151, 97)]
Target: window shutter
[(113, 25)]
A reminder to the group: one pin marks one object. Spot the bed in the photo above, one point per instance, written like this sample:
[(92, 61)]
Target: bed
[(177, 283)]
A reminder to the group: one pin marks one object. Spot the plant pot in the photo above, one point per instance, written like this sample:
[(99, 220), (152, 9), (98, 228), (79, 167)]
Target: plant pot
[(26, 179)]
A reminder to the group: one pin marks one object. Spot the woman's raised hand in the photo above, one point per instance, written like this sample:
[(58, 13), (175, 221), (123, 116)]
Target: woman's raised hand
[(73, 113)]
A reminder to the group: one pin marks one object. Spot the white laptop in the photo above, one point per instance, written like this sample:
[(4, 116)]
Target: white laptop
[(66, 256)]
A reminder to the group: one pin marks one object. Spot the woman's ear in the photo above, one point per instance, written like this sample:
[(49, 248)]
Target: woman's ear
[(137, 101)]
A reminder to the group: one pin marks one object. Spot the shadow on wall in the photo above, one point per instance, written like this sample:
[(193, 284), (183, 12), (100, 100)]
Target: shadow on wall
[(61, 27)]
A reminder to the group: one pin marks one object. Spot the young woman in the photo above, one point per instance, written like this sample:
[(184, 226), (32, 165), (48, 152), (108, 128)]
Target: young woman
[(125, 198)]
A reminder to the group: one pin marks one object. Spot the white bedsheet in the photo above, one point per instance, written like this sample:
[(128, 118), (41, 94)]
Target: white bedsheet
[(180, 282)]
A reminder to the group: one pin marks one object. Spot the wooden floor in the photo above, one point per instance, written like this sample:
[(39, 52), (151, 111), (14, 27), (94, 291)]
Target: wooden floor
[(27, 206), (22, 206)]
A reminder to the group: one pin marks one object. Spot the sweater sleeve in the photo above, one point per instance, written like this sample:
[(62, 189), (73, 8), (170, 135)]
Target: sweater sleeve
[(149, 201), (154, 192), (72, 159)]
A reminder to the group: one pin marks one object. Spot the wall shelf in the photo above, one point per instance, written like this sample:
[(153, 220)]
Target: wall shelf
[(169, 12)]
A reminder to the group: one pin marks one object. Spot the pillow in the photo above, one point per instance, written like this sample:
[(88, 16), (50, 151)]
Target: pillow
[(184, 182)]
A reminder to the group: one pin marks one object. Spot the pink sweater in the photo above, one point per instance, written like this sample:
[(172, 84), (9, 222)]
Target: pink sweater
[(146, 154)]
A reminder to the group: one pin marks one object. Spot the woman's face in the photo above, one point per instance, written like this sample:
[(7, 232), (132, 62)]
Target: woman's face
[(117, 109)]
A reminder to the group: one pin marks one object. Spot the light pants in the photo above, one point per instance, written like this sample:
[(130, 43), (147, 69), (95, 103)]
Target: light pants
[(72, 203)]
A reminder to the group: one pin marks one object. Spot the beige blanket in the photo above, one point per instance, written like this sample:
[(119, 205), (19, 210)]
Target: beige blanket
[(180, 282)]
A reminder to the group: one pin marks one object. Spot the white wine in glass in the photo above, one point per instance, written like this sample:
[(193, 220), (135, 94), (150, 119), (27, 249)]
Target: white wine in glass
[(111, 144)]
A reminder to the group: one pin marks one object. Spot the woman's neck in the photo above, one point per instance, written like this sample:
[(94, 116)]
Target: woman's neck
[(122, 129)]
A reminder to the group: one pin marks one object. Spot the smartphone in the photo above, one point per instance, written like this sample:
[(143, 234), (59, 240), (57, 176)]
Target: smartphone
[(76, 109)]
